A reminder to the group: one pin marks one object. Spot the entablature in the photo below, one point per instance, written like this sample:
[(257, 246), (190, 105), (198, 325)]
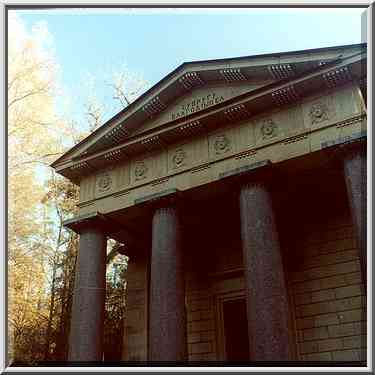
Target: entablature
[(279, 134), (324, 80)]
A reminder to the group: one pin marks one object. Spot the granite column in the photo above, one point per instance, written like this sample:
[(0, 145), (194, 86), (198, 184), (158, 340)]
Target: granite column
[(354, 165), (167, 290), (87, 322), (267, 301)]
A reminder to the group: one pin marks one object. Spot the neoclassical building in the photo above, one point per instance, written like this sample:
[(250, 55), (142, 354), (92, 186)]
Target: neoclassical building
[(238, 190)]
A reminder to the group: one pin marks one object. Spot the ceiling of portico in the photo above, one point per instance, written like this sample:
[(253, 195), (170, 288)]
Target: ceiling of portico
[(196, 87)]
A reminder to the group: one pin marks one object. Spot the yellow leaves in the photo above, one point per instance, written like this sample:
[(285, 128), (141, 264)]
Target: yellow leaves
[(31, 82), (26, 288), (32, 135), (38, 203), (31, 120)]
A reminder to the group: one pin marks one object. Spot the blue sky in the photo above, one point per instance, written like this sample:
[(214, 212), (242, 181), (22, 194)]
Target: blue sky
[(154, 42)]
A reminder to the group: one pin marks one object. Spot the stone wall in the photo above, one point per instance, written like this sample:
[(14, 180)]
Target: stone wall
[(327, 292), (136, 322), (215, 276), (323, 275), (200, 312), (276, 135)]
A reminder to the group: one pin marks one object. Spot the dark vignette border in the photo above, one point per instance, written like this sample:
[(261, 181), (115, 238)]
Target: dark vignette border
[(199, 364), (142, 6)]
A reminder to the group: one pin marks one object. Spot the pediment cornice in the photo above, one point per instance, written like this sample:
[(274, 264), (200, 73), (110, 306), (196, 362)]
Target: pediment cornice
[(115, 141)]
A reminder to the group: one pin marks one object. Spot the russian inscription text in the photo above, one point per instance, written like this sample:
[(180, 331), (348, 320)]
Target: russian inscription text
[(197, 104)]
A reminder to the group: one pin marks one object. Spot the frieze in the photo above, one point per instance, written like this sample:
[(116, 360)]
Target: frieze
[(200, 168), (87, 188), (246, 135), (319, 112), (140, 170), (221, 144), (104, 182), (351, 121), (160, 181), (296, 138), (268, 129), (179, 158), (279, 134), (246, 154), (123, 175)]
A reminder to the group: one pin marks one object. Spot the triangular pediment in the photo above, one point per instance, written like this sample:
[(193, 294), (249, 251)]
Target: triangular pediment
[(197, 100), (195, 87)]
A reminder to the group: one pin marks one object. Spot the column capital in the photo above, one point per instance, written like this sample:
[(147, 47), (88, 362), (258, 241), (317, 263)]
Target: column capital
[(95, 220), (81, 223), (338, 153), (170, 198), (352, 148), (263, 183), (255, 174)]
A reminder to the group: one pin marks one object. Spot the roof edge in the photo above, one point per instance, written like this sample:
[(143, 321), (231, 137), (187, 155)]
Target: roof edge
[(190, 64)]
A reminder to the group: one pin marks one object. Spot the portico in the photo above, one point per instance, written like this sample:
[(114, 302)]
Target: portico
[(207, 179)]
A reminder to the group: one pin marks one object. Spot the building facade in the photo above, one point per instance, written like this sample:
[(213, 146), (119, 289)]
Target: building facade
[(238, 190)]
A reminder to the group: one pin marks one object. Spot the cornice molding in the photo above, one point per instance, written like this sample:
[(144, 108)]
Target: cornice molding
[(167, 199), (210, 71), (232, 75), (233, 110), (153, 107), (281, 71), (286, 95), (258, 173), (191, 80), (337, 77)]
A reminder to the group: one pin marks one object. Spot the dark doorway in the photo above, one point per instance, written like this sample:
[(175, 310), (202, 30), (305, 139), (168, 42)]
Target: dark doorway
[(235, 330)]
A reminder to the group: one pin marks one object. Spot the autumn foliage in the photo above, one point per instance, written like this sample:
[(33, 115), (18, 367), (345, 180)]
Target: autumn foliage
[(41, 252)]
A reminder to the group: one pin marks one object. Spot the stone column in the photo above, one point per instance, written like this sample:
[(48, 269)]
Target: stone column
[(87, 322), (167, 290), (267, 302), (354, 165)]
